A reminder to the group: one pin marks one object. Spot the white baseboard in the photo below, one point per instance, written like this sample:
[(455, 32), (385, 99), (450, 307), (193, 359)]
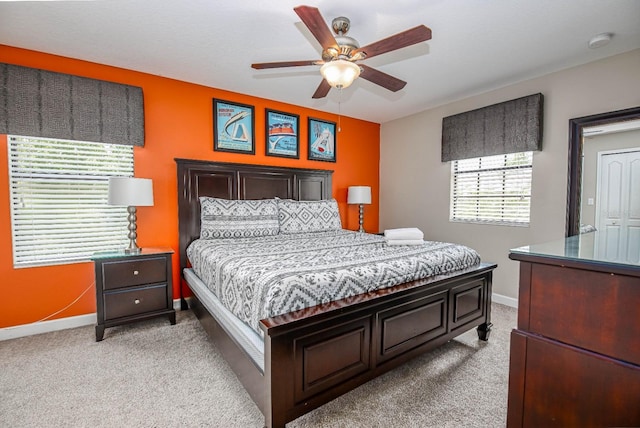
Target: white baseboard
[(504, 300), (55, 325), (47, 326)]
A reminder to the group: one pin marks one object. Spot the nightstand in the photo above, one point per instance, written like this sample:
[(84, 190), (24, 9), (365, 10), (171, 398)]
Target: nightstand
[(133, 287)]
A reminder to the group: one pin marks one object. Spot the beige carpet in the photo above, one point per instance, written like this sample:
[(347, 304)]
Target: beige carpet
[(152, 374)]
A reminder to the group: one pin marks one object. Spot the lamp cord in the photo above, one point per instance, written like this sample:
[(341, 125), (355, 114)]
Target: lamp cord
[(66, 307)]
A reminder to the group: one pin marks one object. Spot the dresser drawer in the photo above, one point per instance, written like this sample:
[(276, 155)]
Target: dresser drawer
[(118, 274), (591, 310), (557, 385), (135, 301)]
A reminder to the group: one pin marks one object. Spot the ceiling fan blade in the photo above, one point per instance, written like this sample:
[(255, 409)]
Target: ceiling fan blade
[(383, 79), (401, 40), (322, 90), (315, 23), (263, 65)]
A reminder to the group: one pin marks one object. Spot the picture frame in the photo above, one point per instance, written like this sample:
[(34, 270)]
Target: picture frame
[(233, 127), (282, 134), (322, 140)]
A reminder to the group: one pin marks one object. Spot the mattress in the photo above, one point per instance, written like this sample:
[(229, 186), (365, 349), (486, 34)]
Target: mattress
[(245, 337), (260, 277)]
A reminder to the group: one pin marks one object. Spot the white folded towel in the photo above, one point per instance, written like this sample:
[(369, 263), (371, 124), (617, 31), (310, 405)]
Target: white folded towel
[(405, 242), (411, 233)]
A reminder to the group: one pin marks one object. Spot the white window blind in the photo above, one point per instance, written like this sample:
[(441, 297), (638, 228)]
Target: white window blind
[(58, 191), (492, 189)]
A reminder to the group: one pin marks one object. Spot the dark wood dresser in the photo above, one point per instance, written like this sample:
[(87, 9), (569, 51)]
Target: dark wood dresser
[(133, 287), (575, 355)]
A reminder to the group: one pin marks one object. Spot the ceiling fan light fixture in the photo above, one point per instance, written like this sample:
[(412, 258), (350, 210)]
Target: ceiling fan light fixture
[(340, 73)]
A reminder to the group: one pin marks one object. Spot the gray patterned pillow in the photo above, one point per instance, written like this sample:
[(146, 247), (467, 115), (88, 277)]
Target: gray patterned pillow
[(224, 218), (308, 216)]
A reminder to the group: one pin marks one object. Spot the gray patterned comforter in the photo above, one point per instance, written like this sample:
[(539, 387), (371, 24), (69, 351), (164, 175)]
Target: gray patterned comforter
[(257, 278)]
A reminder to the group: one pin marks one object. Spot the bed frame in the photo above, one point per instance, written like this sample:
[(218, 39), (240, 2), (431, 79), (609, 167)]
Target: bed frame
[(314, 355)]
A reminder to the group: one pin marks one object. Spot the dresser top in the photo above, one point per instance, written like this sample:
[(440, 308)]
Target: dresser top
[(594, 249)]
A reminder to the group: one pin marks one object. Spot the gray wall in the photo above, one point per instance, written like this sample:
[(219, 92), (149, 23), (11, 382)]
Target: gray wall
[(415, 184)]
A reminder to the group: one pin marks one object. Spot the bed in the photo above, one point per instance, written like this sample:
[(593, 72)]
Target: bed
[(293, 362)]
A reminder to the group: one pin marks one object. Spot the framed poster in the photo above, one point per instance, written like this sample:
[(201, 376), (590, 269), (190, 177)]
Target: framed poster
[(233, 127), (281, 134), (322, 140)]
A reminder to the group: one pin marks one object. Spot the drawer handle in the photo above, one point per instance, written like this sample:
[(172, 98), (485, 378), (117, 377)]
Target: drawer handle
[(137, 301), (135, 272)]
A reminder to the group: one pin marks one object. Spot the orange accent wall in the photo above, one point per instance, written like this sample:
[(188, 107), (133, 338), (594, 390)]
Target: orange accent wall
[(178, 124)]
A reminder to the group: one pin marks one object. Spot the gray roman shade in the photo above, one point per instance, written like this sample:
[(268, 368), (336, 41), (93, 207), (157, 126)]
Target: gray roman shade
[(39, 103), (509, 127)]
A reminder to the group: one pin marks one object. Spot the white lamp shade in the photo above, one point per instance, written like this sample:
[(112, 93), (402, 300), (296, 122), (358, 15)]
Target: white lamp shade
[(340, 73), (130, 191), (359, 195)]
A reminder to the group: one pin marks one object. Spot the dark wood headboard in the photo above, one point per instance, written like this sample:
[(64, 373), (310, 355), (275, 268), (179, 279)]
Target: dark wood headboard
[(239, 181)]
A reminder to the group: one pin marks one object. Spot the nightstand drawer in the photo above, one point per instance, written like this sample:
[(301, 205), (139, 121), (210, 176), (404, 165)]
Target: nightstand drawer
[(118, 274), (135, 301)]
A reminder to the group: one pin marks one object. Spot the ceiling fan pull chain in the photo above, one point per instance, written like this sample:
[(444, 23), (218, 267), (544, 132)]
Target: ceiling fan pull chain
[(339, 108)]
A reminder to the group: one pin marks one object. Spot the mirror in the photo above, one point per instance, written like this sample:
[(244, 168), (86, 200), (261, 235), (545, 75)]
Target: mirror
[(574, 187)]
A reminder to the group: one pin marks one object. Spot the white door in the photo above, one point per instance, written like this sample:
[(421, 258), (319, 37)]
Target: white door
[(618, 211)]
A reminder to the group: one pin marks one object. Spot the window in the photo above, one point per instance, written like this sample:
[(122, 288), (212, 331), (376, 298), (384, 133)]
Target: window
[(492, 189), (58, 191)]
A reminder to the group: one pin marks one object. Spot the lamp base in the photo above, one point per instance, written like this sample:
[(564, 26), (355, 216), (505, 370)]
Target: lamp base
[(133, 246), (361, 219)]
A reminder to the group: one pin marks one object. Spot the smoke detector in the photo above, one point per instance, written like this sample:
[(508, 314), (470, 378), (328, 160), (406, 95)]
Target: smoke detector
[(600, 40)]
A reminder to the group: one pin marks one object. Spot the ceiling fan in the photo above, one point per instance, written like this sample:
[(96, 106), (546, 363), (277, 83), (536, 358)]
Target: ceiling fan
[(341, 52)]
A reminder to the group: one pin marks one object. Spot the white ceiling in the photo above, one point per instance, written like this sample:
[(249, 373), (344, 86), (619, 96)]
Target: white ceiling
[(477, 45)]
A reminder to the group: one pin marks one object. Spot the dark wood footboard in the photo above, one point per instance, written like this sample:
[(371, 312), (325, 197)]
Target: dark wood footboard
[(317, 354), (313, 356)]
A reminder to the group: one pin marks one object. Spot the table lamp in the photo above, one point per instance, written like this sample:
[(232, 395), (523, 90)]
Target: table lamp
[(131, 192), (359, 195)]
